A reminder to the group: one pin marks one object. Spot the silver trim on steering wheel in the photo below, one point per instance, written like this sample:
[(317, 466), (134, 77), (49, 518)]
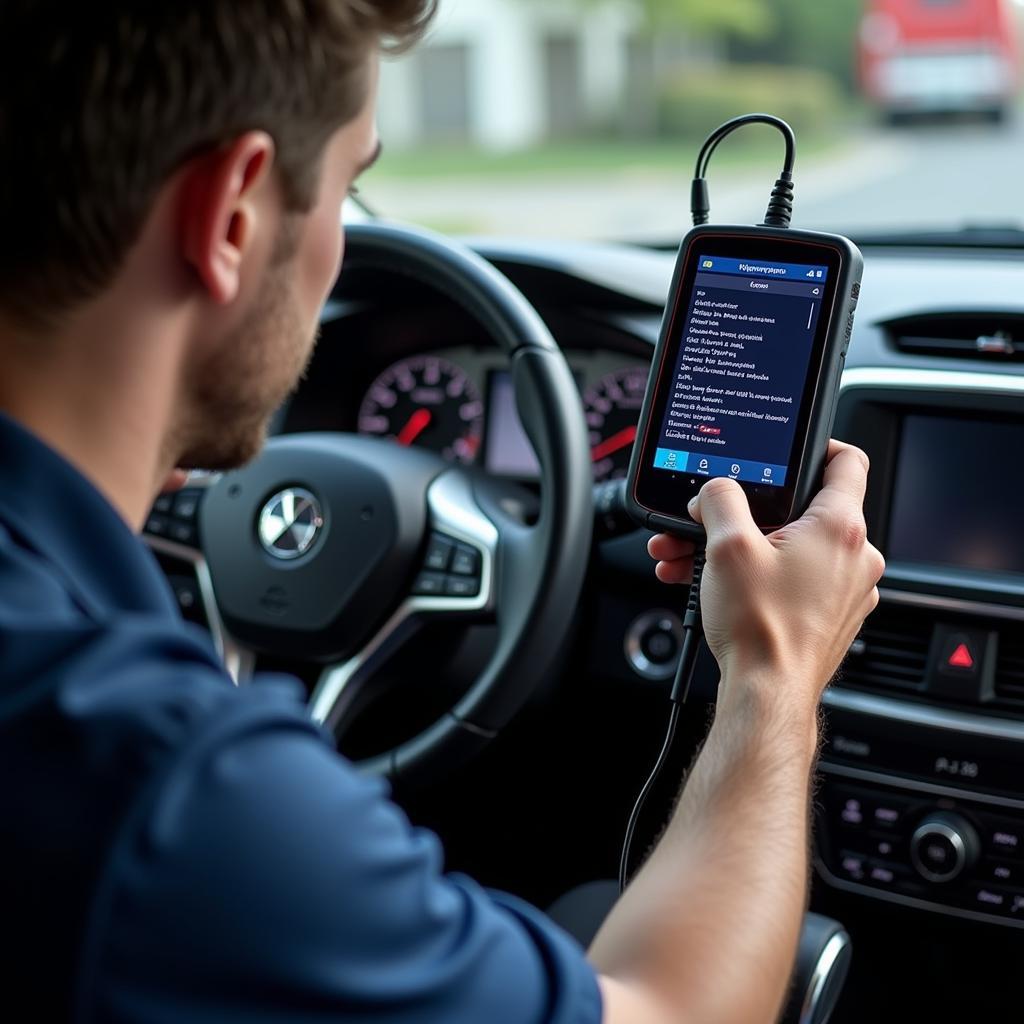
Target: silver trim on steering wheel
[(452, 511), (238, 660)]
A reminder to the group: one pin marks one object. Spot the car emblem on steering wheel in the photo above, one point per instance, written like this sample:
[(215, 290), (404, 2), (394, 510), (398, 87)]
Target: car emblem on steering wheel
[(290, 523)]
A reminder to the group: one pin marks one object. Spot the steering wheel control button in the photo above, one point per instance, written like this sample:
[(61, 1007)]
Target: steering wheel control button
[(466, 561), (943, 847), (430, 584), (158, 526), (439, 554), (186, 505), (164, 503), (183, 533), (652, 644), (462, 586)]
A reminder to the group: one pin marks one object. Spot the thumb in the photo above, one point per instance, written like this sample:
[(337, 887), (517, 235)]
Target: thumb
[(722, 509)]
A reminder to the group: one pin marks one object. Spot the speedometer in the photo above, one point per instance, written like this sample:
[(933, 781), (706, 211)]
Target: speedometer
[(425, 401), (613, 408)]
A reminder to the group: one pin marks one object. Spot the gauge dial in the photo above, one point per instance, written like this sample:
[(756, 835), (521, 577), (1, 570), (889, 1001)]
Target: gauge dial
[(425, 401), (613, 408)]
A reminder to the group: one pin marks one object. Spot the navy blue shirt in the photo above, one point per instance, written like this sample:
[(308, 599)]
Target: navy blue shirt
[(176, 849)]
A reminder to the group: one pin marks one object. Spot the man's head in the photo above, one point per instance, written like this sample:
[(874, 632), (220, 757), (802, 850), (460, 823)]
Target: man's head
[(195, 153)]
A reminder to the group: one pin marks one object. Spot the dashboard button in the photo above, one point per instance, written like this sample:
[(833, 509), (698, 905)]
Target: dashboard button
[(853, 866), (887, 814), (885, 847), (990, 899), (1004, 838), (439, 554), (1002, 872), (943, 847), (887, 875)]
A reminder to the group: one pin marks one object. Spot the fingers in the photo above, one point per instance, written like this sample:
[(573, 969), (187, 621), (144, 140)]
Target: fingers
[(724, 512), (666, 548), (674, 557), (175, 481), (678, 571), (846, 476)]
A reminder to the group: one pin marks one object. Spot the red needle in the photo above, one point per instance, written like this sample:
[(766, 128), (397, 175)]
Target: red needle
[(622, 439), (418, 422)]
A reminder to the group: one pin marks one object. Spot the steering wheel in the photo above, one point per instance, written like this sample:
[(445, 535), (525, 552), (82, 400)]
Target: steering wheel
[(333, 547)]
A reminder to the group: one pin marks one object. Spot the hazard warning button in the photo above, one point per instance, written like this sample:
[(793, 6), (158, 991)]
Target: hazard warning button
[(959, 662), (959, 655)]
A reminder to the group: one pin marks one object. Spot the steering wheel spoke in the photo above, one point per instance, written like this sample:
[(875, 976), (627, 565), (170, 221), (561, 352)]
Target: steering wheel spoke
[(456, 580), (171, 532)]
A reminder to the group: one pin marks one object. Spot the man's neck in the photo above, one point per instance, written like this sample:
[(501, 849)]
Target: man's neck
[(102, 396)]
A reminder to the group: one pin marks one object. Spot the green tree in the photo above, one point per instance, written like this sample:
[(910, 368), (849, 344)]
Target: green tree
[(744, 19), (806, 33)]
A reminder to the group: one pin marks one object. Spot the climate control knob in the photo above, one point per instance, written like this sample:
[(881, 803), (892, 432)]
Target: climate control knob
[(943, 847)]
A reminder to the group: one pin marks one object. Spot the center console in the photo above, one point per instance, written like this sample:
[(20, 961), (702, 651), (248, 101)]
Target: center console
[(922, 798)]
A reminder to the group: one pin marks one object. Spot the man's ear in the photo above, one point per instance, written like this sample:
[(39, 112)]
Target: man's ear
[(219, 212)]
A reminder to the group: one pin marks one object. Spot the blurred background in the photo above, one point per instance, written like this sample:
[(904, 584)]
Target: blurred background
[(581, 118)]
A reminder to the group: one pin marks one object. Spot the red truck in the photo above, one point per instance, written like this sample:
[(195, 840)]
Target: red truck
[(940, 57)]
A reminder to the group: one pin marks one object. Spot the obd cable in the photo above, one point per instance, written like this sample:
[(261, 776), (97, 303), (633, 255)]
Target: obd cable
[(779, 215)]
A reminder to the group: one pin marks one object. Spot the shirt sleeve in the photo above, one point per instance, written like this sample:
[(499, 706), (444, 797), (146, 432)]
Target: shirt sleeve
[(270, 882)]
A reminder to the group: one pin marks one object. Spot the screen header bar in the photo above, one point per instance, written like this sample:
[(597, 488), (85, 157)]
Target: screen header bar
[(761, 269)]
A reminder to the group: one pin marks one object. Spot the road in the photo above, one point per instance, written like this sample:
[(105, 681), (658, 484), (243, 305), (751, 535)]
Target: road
[(926, 176)]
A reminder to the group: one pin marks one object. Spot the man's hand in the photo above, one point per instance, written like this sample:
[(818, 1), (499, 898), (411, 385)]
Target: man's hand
[(707, 931), (790, 604)]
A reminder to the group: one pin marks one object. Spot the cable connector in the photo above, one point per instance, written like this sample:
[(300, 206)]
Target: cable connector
[(780, 206)]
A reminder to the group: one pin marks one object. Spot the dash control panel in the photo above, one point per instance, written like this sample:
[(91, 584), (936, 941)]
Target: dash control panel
[(954, 855)]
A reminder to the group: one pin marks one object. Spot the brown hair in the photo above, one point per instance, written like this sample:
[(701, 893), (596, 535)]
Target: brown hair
[(100, 103)]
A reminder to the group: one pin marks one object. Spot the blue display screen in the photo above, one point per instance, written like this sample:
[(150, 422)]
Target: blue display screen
[(748, 338)]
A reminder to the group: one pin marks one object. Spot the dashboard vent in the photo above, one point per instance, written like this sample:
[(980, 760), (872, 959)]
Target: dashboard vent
[(891, 651), (1010, 667), (992, 337)]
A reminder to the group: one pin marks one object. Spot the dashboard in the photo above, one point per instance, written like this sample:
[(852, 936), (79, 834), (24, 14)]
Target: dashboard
[(430, 380)]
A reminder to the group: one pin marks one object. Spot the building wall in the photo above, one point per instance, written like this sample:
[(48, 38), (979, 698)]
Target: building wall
[(529, 68)]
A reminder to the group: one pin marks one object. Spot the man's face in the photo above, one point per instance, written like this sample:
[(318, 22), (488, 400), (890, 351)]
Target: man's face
[(241, 382)]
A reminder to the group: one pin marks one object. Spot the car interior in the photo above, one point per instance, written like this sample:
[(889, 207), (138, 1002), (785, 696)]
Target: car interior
[(919, 801), (434, 540)]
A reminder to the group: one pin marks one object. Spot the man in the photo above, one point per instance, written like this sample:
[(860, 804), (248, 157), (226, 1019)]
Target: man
[(174, 848)]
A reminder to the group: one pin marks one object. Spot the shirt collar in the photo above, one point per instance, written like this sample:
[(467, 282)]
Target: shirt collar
[(53, 509)]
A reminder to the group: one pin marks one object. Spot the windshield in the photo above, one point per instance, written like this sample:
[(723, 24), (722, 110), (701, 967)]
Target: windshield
[(582, 118)]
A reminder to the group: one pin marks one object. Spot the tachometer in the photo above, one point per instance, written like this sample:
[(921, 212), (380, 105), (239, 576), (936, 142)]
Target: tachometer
[(425, 401), (613, 409)]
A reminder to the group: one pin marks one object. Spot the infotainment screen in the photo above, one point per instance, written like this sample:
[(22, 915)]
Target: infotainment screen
[(958, 494)]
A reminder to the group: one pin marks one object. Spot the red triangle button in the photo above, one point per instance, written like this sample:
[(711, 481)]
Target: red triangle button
[(961, 657)]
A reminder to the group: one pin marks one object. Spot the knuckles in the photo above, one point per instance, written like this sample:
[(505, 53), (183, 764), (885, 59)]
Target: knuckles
[(731, 548)]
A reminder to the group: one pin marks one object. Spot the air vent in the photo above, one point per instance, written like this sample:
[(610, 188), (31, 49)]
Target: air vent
[(891, 651), (1010, 667), (989, 337)]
